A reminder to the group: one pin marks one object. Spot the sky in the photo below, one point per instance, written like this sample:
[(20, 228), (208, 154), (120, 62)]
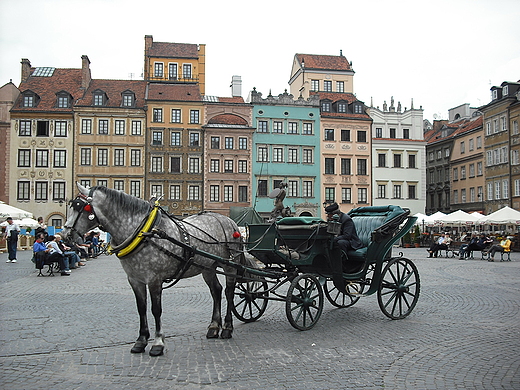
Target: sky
[(440, 53)]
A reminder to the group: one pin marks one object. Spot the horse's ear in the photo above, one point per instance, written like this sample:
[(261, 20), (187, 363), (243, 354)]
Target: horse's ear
[(82, 189)]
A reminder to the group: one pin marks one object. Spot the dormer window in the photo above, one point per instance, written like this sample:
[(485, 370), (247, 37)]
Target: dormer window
[(325, 106), (358, 109), (128, 99), (63, 99), (99, 98), (494, 94), (342, 107), (505, 90), (30, 99)]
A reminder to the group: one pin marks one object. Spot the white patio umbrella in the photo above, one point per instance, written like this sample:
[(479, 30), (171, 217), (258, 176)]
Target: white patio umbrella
[(13, 212), (504, 216), (459, 217)]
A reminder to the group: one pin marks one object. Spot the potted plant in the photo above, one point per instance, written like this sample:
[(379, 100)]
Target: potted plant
[(407, 240)]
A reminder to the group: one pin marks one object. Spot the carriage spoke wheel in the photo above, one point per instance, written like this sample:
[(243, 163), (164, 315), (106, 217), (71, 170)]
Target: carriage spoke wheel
[(304, 302), (338, 299), (399, 288), (250, 300)]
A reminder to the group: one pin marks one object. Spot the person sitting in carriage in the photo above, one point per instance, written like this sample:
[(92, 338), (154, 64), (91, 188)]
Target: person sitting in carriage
[(347, 239)]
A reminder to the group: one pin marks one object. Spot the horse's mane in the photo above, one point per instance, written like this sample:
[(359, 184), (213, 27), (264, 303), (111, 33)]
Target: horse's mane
[(125, 201)]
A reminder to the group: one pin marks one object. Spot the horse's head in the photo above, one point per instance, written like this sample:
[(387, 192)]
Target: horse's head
[(82, 217)]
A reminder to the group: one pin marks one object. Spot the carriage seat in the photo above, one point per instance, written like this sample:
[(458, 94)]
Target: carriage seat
[(367, 220)]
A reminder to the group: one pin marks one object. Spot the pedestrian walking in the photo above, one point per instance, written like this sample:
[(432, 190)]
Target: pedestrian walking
[(12, 231)]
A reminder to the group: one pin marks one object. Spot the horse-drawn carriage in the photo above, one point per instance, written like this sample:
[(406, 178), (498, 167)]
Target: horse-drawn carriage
[(155, 248)]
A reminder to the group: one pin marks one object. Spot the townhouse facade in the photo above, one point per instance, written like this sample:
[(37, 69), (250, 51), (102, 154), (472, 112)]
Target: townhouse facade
[(8, 96), (398, 157)]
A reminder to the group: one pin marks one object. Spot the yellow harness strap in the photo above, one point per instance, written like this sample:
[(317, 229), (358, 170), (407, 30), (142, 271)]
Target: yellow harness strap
[(139, 237)]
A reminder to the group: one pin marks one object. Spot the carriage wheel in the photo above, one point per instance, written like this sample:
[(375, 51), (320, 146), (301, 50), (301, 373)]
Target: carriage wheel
[(250, 300), (338, 299), (399, 288), (304, 302)]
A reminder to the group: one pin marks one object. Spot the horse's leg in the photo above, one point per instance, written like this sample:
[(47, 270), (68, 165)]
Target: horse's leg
[(140, 298), (227, 329), (156, 298), (216, 293)]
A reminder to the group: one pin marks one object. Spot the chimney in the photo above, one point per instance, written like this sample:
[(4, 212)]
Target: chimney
[(148, 42), (26, 69), (85, 72), (236, 86)]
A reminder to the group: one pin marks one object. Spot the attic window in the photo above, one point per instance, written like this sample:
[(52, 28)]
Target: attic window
[(505, 90), (342, 107), (63, 100), (358, 109), (325, 106), (99, 98), (128, 99), (29, 99)]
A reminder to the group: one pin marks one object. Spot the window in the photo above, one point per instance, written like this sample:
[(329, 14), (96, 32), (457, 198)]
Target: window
[(41, 190), (156, 190), (277, 154), (361, 136), (242, 166), (214, 166), (157, 137), (157, 115), (24, 157), (242, 143), (292, 188), (315, 85), (325, 106), (103, 126), (381, 191), (23, 190), (42, 158), (330, 194), (228, 166), (42, 128), (58, 190), (186, 71), (158, 70), (392, 133), (455, 174), (119, 157), (412, 191), (463, 172), (176, 115), (172, 71), (193, 165), (194, 139), (381, 160), (194, 116), (340, 86), (28, 101), (135, 188), (361, 166), (175, 192), (462, 147), (86, 126), (128, 99), (262, 127), (119, 127), (135, 157), (345, 135), (398, 191), (471, 144), (215, 143), (157, 164), (277, 127), (175, 165), (307, 128), (85, 156), (397, 161), (503, 123), (308, 156), (505, 189), (497, 190), (228, 193), (515, 127), (307, 190), (327, 85), (292, 155), (358, 109), (214, 193), (406, 133), (25, 128), (329, 166), (228, 142), (329, 134), (346, 166), (412, 161), (60, 158), (102, 159), (262, 188), (136, 127), (242, 193), (193, 192), (99, 98), (119, 185), (479, 142), (262, 154), (379, 132), (362, 195), (292, 128), (346, 195), (175, 138)]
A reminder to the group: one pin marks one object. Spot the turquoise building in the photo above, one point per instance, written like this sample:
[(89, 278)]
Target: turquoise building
[(286, 149)]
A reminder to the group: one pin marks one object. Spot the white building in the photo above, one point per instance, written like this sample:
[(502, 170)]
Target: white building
[(398, 157)]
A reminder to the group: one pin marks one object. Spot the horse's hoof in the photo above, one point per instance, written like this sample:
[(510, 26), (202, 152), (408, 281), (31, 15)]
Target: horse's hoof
[(138, 347), (212, 334), (226, 333), (157, 350)]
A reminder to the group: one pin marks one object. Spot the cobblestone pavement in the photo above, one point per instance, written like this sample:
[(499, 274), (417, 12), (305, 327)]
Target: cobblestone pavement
[(76, 333)]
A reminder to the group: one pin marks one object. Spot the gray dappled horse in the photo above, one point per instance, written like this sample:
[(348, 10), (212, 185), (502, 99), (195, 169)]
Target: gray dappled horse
[(154, 260)]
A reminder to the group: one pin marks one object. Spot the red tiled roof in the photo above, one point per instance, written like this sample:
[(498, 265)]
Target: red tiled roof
[(68, 80), (177, 50), (324, 62), (113, 90), (234, 99), (337, 96), (176, 92), (227, 119), (344, 115)]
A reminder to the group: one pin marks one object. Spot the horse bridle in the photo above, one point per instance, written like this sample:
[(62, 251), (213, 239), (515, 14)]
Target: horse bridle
[(82, 203)]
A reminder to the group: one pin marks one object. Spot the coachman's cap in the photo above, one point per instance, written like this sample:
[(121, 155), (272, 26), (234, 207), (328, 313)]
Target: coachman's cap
[(331, 208)]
